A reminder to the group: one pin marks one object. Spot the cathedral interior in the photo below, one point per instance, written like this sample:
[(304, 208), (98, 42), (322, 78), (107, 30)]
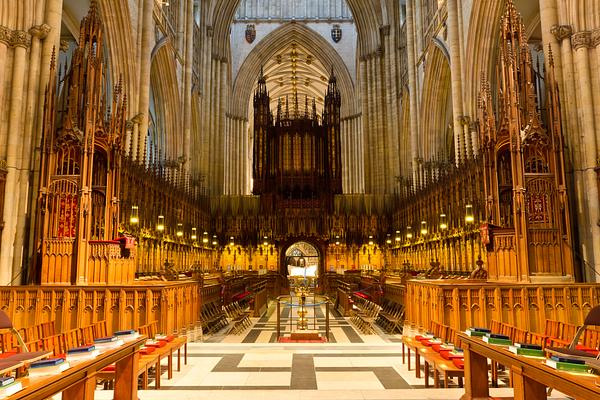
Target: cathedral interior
[(357, 199)]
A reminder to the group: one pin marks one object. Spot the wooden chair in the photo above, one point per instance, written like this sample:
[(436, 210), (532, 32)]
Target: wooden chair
[(100, 329), (47, 329), (592, 319), (13, 342), (72, 338), (87, 334), (55, 344)]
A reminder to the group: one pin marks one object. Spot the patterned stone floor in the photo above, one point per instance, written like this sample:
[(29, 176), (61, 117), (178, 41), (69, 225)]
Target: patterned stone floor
[(249, 366)]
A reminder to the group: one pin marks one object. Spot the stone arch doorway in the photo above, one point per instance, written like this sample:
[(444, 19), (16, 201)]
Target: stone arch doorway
[(302, 256)]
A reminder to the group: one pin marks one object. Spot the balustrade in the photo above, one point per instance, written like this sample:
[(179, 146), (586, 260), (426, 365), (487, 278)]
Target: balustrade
[(174, 305), (460, 304)]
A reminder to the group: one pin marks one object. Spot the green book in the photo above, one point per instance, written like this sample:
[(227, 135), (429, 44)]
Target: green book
[(522, 351), (497, 341), (472, 332), (567, 366)]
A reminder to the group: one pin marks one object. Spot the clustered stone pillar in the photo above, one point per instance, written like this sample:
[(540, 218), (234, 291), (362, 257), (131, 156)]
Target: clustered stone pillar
[(576, 58)]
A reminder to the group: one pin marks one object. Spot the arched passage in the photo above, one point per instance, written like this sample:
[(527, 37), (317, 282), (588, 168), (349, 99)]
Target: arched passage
[(436, 107), (367, 15), (276, 41)]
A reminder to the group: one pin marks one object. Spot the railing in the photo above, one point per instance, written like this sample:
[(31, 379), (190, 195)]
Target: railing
[(174, 305), (107, 266), (459, 304)]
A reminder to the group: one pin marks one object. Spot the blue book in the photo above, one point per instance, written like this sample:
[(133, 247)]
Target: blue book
[(567, 360), (126, 332), (82, 349), (107, 339), (6, 380), (49, 362), (497, 336)]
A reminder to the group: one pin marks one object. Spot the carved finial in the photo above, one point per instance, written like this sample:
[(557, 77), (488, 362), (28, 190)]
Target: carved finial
[(53, 59), (550, 56)]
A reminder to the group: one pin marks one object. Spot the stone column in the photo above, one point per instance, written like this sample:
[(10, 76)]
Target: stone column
[(187, 94), (455, 70), (412, 83), (38, 33), (581, 44), (139, 137), (20, 40), (5, 70)]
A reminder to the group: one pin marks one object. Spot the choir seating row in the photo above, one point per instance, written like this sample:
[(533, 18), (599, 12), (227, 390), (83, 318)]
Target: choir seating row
[(556, 333), (365, 313), (43, 338), (391, 316)]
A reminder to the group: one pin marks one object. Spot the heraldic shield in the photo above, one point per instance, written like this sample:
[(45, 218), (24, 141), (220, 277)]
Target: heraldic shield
[(336, 33), (250, 33)]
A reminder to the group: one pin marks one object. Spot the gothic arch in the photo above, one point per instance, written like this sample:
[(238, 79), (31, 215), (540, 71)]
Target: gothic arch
[(436, 105), (270, 45), (480, 49), (367, 15), (164, 82)]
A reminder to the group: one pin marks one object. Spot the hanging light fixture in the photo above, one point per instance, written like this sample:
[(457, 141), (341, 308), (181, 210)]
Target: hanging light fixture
[(215, 241), (409, 234), (160, 225), (398, 238), (469, 217), (194, 236), (370, 240), (179, 230), (134, 218), (424, 228), (205, 237), (443, 222)]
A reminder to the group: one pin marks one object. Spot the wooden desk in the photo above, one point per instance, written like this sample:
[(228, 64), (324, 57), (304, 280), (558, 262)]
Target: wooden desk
[(530, 376), (79, 381)]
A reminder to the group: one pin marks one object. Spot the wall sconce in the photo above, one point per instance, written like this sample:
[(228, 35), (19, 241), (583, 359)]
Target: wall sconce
[(205, 237), (134, 218), (424, 228), (160, 225), (179, 232), (409, 234), (443, 222), (194, 236), (469, 217)]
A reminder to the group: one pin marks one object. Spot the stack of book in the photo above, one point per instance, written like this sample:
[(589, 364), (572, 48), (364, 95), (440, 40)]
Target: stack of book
[(477, 331), (82, 353), (525, 349), (496, 339), (567, 364), (108, 343), (127, 335), (50, 366), (9, 386)]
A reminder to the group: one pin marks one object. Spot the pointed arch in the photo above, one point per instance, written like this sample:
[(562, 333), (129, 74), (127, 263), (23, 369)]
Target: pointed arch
[(367, 16), (436, 106), (270, 45)]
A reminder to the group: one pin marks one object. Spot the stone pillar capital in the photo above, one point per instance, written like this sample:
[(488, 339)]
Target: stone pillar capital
[(20, 39), (561, 32), (5, 35), (40, 31), (582, 40), (596, 37)]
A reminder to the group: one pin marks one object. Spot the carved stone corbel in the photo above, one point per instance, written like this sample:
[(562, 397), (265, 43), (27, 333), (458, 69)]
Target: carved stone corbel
[(40, 31), (561, 32), (5, 35)]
